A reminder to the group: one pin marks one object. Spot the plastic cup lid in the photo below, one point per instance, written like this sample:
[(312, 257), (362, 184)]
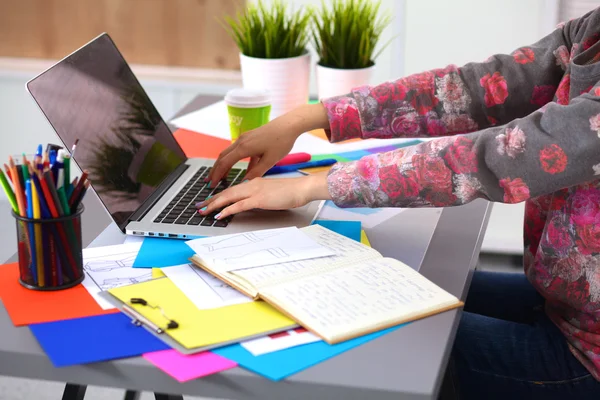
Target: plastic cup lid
[(246, 98)]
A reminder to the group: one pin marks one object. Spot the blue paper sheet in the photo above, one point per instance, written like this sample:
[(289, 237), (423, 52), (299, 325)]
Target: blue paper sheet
[(350, 229), (157, 253), (357, 210), (93, 339), (283, 363)]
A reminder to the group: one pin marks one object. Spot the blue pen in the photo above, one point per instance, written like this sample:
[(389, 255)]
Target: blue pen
[(295, 167), (38, 158), (52, 157), (29, 199)]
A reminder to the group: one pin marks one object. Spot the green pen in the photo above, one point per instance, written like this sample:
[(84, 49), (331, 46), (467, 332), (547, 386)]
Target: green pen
[(62, 197), (67, 172), (9, 193)]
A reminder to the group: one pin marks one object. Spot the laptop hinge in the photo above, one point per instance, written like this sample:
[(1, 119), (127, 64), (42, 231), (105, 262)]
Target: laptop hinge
[(156, 195)]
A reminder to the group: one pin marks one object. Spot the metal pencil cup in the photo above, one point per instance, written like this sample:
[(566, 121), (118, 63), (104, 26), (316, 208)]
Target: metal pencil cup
[(49, 251)]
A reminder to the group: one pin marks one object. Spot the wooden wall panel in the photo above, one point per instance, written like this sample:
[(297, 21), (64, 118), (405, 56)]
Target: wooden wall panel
[(157, 32)]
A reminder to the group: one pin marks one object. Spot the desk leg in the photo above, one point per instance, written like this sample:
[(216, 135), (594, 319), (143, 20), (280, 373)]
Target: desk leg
[(161, 396), (132, 395), (74, 392)]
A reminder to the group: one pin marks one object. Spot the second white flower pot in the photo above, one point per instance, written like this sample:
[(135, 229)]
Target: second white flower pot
[(286, 79), (334, 81)]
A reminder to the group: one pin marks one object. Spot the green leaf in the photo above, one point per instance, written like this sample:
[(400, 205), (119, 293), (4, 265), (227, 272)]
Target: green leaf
[(270, 31), (346, 33)]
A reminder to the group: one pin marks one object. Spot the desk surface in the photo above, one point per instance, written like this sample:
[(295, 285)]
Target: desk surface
[(408, 363)]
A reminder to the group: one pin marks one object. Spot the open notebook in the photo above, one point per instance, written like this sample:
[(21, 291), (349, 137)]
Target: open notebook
[(339, 297)]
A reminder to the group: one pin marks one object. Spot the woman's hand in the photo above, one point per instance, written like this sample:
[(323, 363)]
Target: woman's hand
[(270, 143), (267, 194)]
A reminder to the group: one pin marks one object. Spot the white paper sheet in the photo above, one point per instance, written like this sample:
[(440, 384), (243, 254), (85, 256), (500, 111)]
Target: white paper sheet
[(203, 289), (279, 341), (212, 120), (369, 217), (257, 248), (133, 239), (110, 267)]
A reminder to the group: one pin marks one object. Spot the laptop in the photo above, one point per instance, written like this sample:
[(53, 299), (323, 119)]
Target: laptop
[(136, 167)]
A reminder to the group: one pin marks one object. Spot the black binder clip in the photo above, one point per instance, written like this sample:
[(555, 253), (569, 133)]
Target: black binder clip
[(140, 320)]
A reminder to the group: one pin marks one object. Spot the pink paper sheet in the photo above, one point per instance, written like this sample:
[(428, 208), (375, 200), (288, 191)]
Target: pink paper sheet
[(187, 367)]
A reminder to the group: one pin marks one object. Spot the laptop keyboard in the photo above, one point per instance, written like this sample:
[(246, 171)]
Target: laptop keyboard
[(182, 209)]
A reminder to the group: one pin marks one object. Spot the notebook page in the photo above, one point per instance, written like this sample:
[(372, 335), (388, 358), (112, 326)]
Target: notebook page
[(354, 300), (257, 248), (346, 251)]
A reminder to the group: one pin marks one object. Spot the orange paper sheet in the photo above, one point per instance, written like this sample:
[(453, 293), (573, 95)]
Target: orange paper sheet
[(26, 306), (198, 145), (315, 170)]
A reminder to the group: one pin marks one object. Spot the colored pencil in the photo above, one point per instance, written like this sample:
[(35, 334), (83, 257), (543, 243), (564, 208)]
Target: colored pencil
[(67, 170), (37, 231), (44, 210), (86, 185), (78, 188), (9, 192), (24, 168), (45, 161), (32, 246), (47, 239), (17, 186), (7, 170), (70, 188), (50, 195), (48, 176)]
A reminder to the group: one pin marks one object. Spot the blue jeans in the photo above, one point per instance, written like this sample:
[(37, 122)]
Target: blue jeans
[(507, 348)]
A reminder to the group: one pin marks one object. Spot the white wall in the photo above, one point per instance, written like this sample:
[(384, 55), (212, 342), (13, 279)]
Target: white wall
[(459, 31)]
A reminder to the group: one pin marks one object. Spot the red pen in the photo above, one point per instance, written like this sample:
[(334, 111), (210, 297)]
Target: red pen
[(294, 158)]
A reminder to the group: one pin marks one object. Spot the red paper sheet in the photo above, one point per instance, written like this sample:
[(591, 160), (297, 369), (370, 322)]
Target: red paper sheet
[(26, 306)]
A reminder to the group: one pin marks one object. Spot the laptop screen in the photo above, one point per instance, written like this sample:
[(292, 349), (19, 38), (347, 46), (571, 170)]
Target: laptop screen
[(93, 96)]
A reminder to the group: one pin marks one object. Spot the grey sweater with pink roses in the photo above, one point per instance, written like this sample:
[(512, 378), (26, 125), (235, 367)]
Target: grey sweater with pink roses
[(530, 131)]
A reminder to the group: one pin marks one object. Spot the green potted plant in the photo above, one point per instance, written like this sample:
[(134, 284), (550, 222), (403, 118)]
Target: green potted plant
[(345, 36), (272, 40)]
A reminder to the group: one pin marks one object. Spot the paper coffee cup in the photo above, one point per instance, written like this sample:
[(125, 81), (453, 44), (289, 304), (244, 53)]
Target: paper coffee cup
[(248, 109)]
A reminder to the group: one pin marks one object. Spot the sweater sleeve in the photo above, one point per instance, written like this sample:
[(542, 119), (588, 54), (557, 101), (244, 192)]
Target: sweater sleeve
[(453, 100), (550, 149)]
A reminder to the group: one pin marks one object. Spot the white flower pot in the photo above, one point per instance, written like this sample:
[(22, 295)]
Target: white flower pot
[(286, 79), (335, 81)]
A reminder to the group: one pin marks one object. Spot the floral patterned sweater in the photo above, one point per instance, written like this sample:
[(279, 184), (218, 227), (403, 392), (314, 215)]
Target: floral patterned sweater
[(514, 128)]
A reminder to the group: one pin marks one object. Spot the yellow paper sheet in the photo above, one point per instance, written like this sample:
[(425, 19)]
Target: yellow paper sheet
[(157, 273), (315, 170), (364, 239), (198, 328)]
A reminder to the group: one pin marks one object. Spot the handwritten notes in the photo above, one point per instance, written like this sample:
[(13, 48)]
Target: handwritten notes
[(257, 248), (375, 293)]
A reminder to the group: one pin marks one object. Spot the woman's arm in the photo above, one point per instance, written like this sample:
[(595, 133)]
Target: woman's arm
[(540, 154), (453, 100), (544, 152)]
